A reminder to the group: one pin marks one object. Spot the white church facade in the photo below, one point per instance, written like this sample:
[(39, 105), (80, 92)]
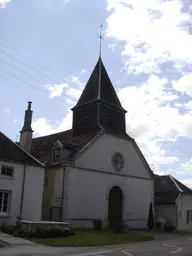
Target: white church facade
[(95, 170)]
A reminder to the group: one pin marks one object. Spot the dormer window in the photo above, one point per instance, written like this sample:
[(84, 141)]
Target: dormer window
[(56, 154)]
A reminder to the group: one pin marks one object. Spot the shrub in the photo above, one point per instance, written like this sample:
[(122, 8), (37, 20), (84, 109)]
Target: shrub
[(40, 232), (158, 225), (168, 227), (118, 227), (25, 232), (97, 224), (150, 222), (9, 229)]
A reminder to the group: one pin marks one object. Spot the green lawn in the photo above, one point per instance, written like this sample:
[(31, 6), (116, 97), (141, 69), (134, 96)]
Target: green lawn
[(94, 238), (184, 233)]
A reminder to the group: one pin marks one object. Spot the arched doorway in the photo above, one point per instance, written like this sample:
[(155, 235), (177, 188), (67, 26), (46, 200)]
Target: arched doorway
[(115, 206)]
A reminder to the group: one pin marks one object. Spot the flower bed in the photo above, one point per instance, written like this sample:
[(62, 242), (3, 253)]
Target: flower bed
[(38, 232)]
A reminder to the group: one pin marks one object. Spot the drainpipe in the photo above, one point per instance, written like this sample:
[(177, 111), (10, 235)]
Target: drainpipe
[(63, 187), (23, 190)]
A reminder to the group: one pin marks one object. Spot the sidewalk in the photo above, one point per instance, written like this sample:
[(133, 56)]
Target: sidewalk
[(12, 240)]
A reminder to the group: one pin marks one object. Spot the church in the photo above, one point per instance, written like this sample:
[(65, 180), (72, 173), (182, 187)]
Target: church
[(94, 170)]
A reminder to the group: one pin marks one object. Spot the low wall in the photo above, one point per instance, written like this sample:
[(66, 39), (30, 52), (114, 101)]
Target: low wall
[(44, 224)]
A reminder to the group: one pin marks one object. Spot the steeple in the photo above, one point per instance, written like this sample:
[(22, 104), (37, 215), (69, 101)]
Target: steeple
[(26, 133), (99, 88), (98, 105)]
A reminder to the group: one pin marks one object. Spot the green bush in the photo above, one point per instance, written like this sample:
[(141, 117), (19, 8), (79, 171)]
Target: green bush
[(9, 229), (168, 227), (150, 221), (43, 232), (25, 232), (97, 224), (40, 232)]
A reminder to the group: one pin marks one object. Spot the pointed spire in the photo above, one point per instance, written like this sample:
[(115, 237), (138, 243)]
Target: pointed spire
[(99, 88), (28, 119)]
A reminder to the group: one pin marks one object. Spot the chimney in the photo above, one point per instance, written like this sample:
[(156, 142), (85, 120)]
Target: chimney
[(26, 134)]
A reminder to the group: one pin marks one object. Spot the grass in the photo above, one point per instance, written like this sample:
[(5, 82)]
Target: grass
[(184, 233), (94, 238)]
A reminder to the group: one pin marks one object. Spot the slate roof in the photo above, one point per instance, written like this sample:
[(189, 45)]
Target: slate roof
[(99, 88), (167, 189), (42, 146), (10, 151)]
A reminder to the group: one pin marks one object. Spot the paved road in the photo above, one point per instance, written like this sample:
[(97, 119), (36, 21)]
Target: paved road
[(178, 246)]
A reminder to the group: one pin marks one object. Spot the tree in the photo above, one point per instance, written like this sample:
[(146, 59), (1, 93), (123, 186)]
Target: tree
[(150, 222)]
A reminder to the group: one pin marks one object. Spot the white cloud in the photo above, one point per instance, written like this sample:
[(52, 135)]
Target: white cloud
[(7, 110), (74, 93), (152, 118), (112, 47), (3, 3), (42, 127), (184, 84), (153, 32), (187, 182), (76, 80), (83, 71), (187, 166), (56, 90)]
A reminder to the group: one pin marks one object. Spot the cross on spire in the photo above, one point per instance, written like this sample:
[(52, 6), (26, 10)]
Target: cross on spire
[(100, 39)]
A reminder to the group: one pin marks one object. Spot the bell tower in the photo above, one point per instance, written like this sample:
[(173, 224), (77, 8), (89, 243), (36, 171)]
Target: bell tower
[(98, 106)]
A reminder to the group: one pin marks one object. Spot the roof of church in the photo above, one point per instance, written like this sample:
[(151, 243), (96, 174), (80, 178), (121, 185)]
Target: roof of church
[(167, 189), (42, 146), (99, 88), (10, 151)]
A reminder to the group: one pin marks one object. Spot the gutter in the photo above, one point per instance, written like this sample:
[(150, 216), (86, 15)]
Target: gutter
[(63, 187), (23, 190)]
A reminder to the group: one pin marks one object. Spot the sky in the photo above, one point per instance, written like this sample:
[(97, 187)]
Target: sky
[(48, 49)]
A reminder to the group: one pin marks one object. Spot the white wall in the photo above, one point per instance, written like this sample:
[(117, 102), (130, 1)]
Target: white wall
[(13, 184), (98, 156), (184, 203), (166, 212), (57, 188), (87, 194), (33, 195), (33, 191)]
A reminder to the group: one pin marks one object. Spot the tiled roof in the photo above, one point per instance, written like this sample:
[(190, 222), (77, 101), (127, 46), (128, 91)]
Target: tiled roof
[(10, 151), (167, 189), (42, 146)]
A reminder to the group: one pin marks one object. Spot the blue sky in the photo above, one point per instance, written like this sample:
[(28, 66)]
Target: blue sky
[(146, 50)]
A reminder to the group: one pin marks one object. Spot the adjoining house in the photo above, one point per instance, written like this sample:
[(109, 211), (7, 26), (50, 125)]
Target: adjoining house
[(21, 183), (95, 170), (173, 202)]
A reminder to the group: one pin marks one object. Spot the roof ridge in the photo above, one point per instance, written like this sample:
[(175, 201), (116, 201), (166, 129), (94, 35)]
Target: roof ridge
[(51, 134), (175, 183)]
